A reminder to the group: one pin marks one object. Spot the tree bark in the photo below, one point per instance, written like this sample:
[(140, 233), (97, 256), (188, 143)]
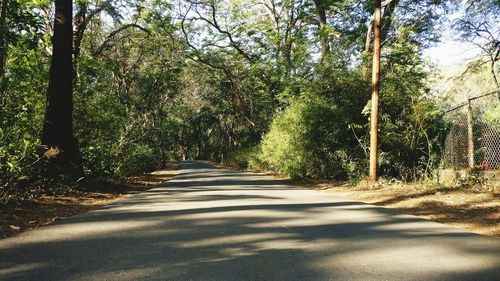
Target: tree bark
[(323, 25), (375, 92), (57, 133), (386, 23), (387, 20), (3, 41), (80, 26)]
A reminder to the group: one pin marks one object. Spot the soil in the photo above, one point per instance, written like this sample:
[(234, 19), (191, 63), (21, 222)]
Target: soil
[(476, 209), (19, 216)]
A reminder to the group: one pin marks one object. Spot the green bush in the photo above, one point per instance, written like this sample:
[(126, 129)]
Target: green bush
[(98, 161), (410, 141), (19, 168), (245, 157), (137, 159), (302, 140)]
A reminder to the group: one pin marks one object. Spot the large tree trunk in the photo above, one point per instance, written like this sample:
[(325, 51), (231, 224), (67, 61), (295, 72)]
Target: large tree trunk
[(3, 41), (57, 132), (323, 27), (375, 93)]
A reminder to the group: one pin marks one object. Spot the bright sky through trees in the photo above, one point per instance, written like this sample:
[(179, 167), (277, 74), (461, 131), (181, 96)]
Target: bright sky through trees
[(449, 52)]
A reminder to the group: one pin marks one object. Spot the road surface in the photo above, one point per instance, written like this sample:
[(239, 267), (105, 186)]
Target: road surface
[(216, 224)]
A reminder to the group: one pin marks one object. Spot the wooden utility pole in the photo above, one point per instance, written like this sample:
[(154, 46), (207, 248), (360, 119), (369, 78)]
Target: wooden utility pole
[(375, 92)]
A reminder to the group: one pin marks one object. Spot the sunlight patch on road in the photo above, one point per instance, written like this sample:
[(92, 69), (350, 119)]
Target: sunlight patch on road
[(138, 273), (19, 269), (75, 231), (401, 257)]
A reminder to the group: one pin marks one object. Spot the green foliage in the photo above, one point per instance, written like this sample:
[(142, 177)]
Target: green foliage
[(137, 159), (493, 115), (98, 161), (246, 157), (21, 115), (411, 141), (305, 138), (19, 167), (321, 133), (245, 86)]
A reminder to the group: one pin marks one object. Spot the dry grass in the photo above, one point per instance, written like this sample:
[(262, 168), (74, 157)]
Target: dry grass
[(472, 208), (22, 215)]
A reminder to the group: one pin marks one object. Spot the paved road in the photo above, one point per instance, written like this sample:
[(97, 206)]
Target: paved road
[(214, 224)]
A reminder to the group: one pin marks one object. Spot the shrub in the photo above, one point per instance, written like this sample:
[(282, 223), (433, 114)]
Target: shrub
[(137, 159), (98, 161), (302, 140), (244, 157)]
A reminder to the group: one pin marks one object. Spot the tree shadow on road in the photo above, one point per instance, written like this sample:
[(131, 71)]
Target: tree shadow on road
[(229, 229)]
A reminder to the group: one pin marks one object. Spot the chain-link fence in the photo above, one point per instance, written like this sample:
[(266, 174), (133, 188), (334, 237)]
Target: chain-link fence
[(473, 140)]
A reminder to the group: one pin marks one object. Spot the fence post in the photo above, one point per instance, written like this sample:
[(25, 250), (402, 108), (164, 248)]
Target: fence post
[(470, 136)]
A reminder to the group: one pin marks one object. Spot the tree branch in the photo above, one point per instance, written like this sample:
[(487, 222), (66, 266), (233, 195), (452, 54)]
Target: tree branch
[(101, 48)]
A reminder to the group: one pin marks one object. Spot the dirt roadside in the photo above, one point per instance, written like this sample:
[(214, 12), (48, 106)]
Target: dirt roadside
[(476, 209), (20, 216), (473, 208)]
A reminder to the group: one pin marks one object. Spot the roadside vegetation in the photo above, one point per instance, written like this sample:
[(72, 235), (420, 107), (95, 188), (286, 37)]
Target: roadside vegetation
[(121, 88)]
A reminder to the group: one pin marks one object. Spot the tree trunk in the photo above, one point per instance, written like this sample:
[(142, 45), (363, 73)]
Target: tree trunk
[(3, 41), (375, 92), (288, 43), (386, 24), (80, 25), (57, 133), (323, 27), (387, 20), (368, 39)]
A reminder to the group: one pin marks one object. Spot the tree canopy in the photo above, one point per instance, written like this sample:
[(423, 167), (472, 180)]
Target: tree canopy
[(277, 85)]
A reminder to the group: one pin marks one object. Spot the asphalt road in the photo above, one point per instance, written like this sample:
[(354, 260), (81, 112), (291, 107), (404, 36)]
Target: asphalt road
[(215, 224)]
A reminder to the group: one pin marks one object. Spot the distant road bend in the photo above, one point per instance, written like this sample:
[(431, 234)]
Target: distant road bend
[(217, 224)]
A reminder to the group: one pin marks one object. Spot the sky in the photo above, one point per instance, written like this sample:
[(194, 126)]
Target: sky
[(450, 52)]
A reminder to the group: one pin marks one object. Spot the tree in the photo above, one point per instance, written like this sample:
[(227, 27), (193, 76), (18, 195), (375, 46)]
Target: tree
[(3, 40), (386, 23), (324, 30), (57, 133), (479, 26), (222, 80)]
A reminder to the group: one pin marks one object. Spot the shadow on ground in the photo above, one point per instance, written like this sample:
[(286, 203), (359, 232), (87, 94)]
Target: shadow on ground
[(209, 224)]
